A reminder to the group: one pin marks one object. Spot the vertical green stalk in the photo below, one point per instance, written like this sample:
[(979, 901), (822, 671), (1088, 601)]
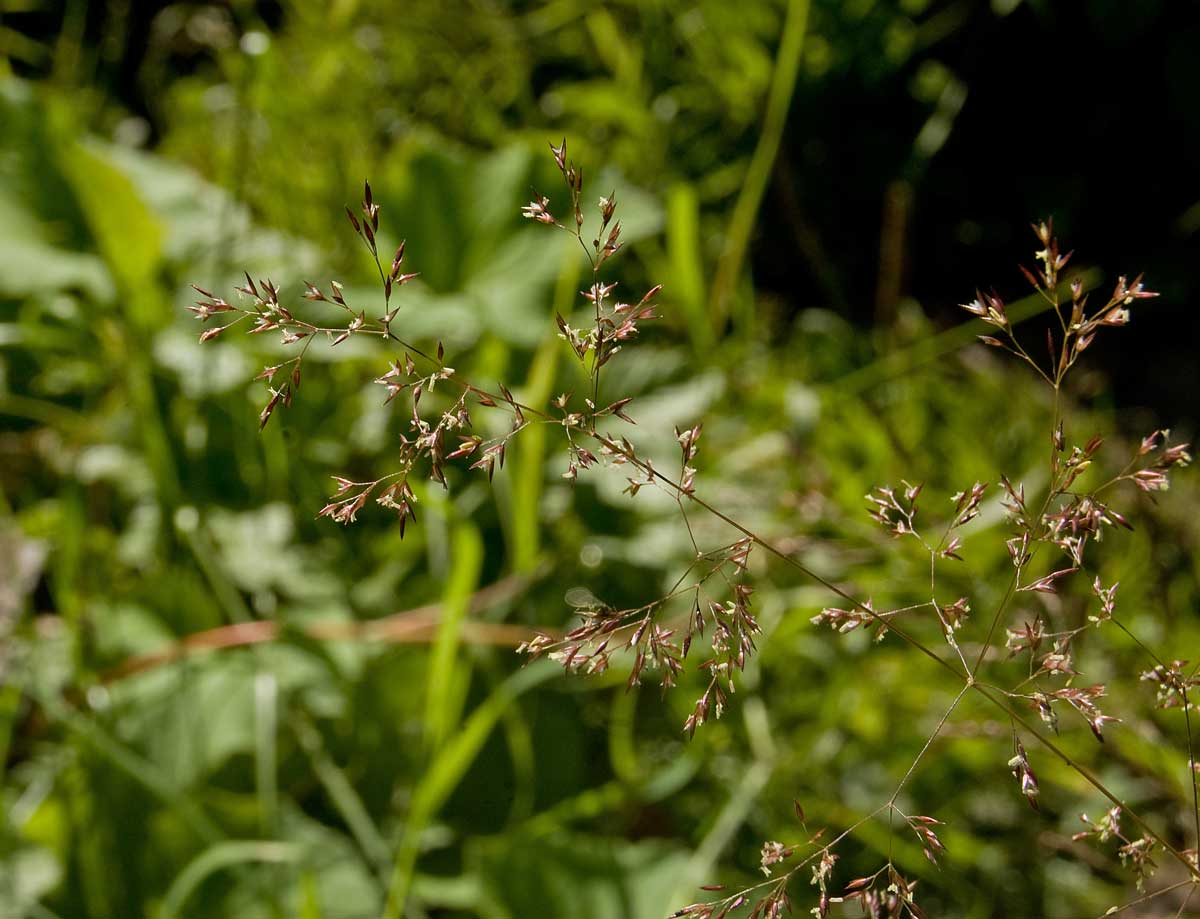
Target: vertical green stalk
[(622, 753), (66, 569), (446, 771), (344, 798), (10, 700), (266, 696), (446, 684), (779, 99), (683, 254), (68, 49)]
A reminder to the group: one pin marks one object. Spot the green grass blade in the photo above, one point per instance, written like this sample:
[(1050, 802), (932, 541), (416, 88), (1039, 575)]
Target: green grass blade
[(447, 770), (445, 686), (266, 766), (931, 348), (217, 858), (686, 270), (347, 801), (779, 99)]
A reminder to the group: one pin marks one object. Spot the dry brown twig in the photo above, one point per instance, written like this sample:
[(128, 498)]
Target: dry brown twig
[(416, 626)]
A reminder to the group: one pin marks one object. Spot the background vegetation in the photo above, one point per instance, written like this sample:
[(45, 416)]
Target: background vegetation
[(817, 187)]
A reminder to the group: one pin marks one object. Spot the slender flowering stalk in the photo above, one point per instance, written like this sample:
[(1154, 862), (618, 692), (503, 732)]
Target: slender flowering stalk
[(706, 623)]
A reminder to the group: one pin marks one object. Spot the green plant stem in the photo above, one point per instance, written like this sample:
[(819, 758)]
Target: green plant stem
[(341, 792), (727, 822), (779, 99), (445, 772), (1050, 494), (896, 364), (229, 854)]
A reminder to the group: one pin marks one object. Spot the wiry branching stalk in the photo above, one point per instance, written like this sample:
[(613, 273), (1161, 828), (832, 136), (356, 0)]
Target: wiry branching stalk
[(715, 582)]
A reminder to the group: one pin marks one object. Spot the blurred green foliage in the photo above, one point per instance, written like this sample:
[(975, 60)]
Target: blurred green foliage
[(299, 776)]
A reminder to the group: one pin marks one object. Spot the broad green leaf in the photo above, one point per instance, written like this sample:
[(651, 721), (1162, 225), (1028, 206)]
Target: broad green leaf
[(127, 234)]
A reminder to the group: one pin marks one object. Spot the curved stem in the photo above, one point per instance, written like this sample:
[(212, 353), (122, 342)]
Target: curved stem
[(741, 224)]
